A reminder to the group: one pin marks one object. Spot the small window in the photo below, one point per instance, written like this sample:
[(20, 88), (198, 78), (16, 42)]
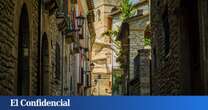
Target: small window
[(98, 14), (58, 69)]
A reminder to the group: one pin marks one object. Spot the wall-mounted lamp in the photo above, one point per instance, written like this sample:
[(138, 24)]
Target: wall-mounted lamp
[(80, 21), (92, 65)]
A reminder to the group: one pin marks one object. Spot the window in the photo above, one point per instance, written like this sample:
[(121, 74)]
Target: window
[(23, 54), (98, 15), (44, 74), (58, 70)]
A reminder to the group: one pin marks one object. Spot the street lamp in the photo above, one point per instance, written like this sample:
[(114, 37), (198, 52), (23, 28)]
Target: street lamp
[(92, 65), (80, 21)]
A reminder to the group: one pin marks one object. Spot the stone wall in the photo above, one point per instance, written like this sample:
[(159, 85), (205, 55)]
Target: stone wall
[(140, 85), (173, 71), (101, 51), (144, 71), (9, 27), (9, 30), (7, 42), (166, 77), (56, 42), (136, 39), (34, 49)]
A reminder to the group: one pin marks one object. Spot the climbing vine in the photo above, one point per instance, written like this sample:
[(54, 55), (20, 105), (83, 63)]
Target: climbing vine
[(147, 41)]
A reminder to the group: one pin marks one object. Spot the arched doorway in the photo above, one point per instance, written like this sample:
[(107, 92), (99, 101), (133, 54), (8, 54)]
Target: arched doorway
[(58, 63), (44, 76), (23, 54)]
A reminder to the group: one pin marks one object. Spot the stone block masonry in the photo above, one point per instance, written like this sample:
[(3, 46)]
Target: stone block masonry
[(179, 34), (8, 44), (9, 39)]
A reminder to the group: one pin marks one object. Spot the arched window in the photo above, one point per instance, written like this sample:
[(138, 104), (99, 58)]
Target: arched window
[(58, 70), (98, 15), (43, 79), (23, 54)]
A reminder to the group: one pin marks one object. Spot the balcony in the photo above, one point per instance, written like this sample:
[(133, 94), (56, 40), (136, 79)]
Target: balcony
[(70, 37), (88, 81), (61, 20)]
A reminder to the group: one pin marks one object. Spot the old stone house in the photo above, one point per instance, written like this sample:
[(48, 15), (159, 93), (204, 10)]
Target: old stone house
[(179, 48), (30, 43), (79, 43), (101, 49), (34, 53)]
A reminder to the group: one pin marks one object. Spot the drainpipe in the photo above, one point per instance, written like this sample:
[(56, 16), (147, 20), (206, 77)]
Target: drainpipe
[(39, 45)]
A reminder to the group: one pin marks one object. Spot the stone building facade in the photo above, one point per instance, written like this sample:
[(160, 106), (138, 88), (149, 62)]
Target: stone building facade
[(55, 53), (31, 30), (179, 48), (101, 51), (15, 15), (137, 25), (140, 84), (78, 43)]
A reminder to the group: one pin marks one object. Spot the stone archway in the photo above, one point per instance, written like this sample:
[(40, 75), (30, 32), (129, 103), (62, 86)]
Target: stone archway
[(44, 74), (23, 77)]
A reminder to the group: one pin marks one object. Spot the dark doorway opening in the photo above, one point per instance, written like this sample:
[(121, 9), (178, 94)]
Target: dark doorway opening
[(43, 77), (58, 63), (192, 41), (23, 80)]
